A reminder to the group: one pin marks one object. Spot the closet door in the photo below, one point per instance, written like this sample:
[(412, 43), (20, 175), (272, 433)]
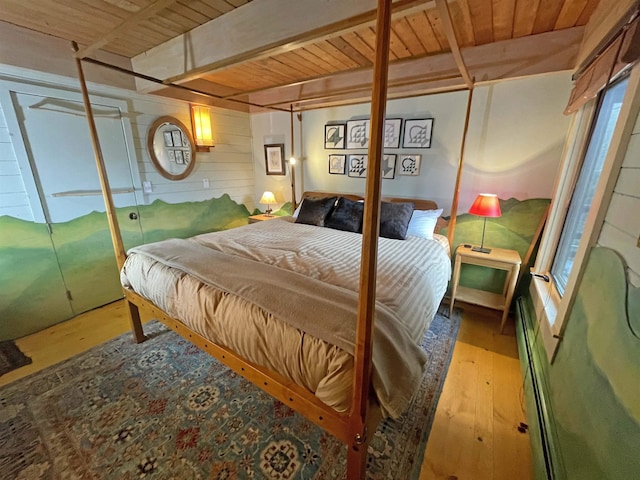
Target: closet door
[(56, 135)]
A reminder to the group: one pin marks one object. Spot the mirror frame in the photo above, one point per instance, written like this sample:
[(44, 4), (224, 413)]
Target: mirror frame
[(154, 152)]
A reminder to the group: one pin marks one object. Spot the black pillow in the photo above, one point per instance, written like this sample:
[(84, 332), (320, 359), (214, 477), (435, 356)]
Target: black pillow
[(315, 211), (346, 216), (394, 219)]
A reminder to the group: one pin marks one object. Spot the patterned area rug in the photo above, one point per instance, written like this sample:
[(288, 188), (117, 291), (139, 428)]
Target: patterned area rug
[(11, 357), (166, 410)]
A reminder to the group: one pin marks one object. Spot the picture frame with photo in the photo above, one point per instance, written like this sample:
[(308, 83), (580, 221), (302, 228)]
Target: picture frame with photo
[(179, 157), (392, 132), (358, 133), (417, 133), (337, 164), (274, 159), (357, 165), (176, 136), (409, 165), (389, 165), (168, 139), (334, 136)]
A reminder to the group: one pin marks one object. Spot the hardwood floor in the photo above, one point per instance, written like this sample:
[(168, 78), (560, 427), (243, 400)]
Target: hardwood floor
[(474, 435)]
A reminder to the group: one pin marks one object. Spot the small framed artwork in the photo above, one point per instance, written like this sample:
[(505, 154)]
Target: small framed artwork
[(274, 159), (337, 164), (177, 138), (392, 127), (389, 166), (172, 155), (358, 165), (187, 156), (334, 136), (417, 133), (179, 157), (357, 133), (168, 139), (409, 165)]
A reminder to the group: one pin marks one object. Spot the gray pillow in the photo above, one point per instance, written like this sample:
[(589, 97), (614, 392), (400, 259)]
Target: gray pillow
[(394, 219), (346, 216), (315, 211)]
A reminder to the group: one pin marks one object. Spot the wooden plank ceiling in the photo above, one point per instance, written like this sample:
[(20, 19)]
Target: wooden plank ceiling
[(340, 61)]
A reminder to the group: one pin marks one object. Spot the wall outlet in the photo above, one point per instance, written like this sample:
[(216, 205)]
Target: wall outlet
[(147, 187), (205, 182)]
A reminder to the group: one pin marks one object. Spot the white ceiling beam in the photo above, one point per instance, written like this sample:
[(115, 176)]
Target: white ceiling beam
[(257, 30)]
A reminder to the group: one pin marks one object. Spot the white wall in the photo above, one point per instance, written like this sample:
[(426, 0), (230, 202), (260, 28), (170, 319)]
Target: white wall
[(621, 229), (228, 167), (514, 145)]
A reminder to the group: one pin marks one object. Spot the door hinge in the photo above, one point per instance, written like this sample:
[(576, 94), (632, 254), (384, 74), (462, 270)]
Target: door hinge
[(69, 296)]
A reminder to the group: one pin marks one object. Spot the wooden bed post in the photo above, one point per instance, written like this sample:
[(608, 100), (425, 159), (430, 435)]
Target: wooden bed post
[(114, 227), (292, 165), (358, 434)]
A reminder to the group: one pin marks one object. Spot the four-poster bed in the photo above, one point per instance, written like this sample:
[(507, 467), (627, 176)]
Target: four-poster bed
[(356, 422)]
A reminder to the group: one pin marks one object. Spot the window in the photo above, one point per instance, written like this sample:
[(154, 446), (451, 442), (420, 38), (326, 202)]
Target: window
[(596, 152)]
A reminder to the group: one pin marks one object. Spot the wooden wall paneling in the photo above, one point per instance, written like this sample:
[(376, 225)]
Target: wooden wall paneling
[(220, 5), (503, 14), (294, 60), (482, 20), (589, 8), (397, 46), (188, 13), (436, 23), (347, 49), (368, 35), (424, 31), (335, 56), (570, 14), (547, 17), (461, 17), (238, 3), (205, 8), (403, 29), (525, 18), (315, 59), (286, 72), (361, 46)]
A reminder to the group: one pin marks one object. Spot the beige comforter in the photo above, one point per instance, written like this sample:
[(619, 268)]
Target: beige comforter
[(304, 271)]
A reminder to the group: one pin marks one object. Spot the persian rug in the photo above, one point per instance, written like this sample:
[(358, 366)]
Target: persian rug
[(11, 357), (164, 409)]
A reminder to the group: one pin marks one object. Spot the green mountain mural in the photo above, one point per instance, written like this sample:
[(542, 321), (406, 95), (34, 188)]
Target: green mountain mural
[(37, 268), (513, 230)]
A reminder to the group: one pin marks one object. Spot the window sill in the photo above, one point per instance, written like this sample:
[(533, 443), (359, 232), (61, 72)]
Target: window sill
[(546, 302)]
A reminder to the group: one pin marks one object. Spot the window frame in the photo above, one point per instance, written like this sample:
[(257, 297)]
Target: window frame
[(552, 310)]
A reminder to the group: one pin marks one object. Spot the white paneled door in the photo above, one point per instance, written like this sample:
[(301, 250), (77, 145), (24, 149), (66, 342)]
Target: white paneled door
[(56, 136)]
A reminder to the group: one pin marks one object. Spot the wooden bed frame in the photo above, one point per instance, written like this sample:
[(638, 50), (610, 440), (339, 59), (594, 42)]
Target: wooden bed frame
[(355, 428)]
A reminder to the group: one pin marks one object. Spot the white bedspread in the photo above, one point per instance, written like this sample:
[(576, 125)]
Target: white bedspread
[(412, 278)]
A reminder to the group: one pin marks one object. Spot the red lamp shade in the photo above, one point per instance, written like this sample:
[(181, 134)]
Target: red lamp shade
[(486, 205)]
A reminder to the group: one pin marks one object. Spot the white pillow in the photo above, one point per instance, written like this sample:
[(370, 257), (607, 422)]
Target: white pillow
[(423, 223), (297, 210)]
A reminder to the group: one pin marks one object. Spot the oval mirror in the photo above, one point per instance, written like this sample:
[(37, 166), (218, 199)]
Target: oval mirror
[(171, 148)]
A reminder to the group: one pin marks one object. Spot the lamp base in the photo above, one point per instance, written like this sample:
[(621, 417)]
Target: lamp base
[(267, 213), (481, 250)]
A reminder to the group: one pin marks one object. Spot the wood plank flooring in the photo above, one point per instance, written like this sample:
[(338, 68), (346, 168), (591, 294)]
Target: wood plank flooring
[(475, 431)]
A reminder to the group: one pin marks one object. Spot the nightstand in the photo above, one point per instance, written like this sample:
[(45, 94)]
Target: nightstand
[(500, 259), (261, 218)]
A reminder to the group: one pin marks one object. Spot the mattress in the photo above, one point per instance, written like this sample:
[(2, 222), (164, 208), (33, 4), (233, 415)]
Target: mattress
[(412, 278)]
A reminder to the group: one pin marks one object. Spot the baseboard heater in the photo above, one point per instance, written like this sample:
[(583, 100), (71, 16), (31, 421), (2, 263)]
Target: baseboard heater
[(546, 461)]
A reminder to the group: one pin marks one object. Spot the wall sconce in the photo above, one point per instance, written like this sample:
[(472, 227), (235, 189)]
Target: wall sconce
[(201, 119)]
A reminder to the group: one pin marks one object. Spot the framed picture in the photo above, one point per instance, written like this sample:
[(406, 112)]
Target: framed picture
[(392, 129), (274, 159), (409, 165), (168, 139), (334, 136), (177, 138), (358, 165), (187, 156), (172, 155), (179, 157), (337, 164), (389, 166), (417, 133), (357, 133)]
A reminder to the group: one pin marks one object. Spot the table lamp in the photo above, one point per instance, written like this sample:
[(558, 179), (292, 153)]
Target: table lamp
[(267, 198), (485, 205)]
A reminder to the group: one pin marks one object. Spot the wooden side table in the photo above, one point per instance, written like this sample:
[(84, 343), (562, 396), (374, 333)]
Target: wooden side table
[(261, 218), (498, 258)]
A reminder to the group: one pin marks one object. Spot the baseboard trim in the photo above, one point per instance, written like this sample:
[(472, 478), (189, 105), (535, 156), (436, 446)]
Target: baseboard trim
[(546, 458)]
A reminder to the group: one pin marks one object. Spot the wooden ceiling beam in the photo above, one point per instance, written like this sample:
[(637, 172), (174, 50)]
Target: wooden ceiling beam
[(445, 15), (258, 30), (129, 24)]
